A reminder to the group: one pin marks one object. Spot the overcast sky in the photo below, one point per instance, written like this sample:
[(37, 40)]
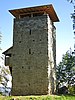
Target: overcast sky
[(64, 32)]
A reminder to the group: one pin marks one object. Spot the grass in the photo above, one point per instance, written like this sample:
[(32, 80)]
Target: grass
[(52, 97)]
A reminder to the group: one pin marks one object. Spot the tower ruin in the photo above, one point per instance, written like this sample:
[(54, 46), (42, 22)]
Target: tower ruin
[(32, 58)]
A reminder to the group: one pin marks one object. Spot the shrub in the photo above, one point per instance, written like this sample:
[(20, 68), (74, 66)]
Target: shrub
[(72, 89)]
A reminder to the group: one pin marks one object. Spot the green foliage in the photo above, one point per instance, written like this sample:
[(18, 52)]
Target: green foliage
[(66, 70), (0, 37), (4, 72), (72, 89), (51, 97)]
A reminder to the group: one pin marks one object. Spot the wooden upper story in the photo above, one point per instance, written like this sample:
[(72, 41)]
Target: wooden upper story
[(35, 11)]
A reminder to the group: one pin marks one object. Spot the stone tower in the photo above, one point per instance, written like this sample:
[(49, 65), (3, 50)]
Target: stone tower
[(32, 58)]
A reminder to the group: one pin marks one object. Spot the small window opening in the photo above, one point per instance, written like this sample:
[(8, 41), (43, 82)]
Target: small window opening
[(30, 31), (25, 15), (38, 14), (40, 39), (22, 67), (33, 40), (19, 41), (29, 51)]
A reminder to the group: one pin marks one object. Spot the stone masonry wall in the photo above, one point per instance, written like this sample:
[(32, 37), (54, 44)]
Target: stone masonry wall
[(30, 58)]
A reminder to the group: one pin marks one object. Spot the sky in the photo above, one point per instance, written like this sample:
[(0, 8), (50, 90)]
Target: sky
[(64, 31)]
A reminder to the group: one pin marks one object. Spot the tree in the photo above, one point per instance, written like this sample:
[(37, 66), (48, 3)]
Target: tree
[(71, 1), (4, 76), (0, 39), (4, 72), (66, 70)]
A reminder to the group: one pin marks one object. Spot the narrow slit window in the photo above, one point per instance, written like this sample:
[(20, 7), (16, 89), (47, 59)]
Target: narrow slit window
[(30, 31), (29, 51)]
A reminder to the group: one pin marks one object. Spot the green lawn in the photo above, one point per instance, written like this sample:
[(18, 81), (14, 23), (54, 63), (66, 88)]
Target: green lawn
[(52, 97)]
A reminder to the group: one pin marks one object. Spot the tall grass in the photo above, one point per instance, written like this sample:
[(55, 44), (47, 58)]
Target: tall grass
[(52, 97)]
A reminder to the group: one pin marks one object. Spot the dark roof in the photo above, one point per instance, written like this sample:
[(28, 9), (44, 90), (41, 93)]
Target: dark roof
[(8, 50), (47, 8)]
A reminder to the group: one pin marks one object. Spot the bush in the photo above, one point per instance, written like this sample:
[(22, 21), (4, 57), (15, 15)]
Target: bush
[(72, 89)]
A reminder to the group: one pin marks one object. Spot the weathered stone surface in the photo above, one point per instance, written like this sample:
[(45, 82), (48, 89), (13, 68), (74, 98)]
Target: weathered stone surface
[(33, 57)]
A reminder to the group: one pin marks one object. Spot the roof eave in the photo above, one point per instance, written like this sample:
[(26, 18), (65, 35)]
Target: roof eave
[(48, 8)]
